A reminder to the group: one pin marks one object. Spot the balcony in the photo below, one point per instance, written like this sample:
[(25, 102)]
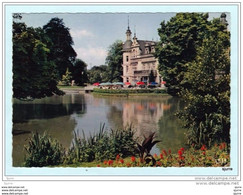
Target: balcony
[(144, 72)]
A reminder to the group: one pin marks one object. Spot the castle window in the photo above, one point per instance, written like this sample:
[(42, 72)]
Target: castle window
[(127, 58)]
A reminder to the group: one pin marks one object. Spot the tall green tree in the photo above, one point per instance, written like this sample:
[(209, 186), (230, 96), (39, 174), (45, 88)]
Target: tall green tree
[(179, 39), (114, 61), (79, 72), (208, 112), (98, 74), (34, 73), (62, 52)]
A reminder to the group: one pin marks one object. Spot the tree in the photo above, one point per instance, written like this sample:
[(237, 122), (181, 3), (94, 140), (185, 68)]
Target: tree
[(114, 61), (66, 78), (34, 74), (62, 52), (79, 72), (179, 39), (98, 74), (208, 113)]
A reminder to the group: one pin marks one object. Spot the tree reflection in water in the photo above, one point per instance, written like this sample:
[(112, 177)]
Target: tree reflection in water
[(61, 115), (52, 114)]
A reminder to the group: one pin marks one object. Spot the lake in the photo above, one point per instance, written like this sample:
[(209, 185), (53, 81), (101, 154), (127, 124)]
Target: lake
[(60, 116)]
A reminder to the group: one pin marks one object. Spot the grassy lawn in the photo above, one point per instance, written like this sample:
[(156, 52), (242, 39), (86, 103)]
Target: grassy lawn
[(70, 87)]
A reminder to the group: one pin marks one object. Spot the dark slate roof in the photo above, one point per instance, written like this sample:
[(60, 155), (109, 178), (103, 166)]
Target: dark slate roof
[(142, 44), (127, 44)]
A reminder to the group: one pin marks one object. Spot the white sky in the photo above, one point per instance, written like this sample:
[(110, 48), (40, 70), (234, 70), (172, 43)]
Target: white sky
[(93, 33)]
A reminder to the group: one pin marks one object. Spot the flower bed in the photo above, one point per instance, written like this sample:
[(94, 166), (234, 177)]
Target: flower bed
[(217, 156)]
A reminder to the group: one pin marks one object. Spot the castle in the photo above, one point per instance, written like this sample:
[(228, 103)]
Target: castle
[(139, 63)]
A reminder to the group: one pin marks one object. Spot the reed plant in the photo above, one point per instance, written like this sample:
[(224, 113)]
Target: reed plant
[(102, 145), (42, 151)]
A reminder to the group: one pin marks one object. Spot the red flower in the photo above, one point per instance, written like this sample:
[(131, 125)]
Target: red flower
[(164, 152), (180, 152), (128, 164), (155, 156), (158, 163), (117, 157), (133, 159), (203, 148), (161, 156), (170, 151), (121, 161), (110, 162), (224, 145), (105, 162), (220, 147), (204, 153), (98, 165), (181, 157)]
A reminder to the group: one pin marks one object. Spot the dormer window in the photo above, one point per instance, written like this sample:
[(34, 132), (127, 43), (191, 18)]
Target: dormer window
[(147, 50)]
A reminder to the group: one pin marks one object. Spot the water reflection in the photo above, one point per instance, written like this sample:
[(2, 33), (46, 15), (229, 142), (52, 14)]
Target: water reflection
[(53, 115), (143, 113), (61, 115), (171, 133), (49, 107)]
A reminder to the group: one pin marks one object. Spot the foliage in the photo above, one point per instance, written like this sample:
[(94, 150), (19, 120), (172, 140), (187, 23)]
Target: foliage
[(145, 147), (102, 145), (43, 151), (34, 73), (208, 113), (194, 61), (114, 61), (98, 74), (217, 156), (66, 78), (118, 149), (179, 39), (79, 72), (61, 50)]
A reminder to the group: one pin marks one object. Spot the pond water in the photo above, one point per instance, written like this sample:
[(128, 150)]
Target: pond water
[(60, 116)]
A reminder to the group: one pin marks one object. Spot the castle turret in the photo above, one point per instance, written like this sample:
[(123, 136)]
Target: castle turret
[(128, 43), (127, 55)]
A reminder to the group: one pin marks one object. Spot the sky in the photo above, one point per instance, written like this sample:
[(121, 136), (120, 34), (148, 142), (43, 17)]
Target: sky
[(93, 33)]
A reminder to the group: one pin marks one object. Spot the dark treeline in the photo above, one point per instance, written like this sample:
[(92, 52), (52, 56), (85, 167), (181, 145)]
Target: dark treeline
[(42, 57)]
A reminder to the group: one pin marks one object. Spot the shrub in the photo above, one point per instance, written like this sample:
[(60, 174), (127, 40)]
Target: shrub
[(102, 145), (43, 151), (129, 91)]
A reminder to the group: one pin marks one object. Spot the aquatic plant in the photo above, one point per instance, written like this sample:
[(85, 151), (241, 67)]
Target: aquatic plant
[(42, 150), (102, 145), (145, 148)]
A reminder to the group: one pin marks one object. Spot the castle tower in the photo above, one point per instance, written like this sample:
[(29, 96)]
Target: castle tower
[(127, 54)]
